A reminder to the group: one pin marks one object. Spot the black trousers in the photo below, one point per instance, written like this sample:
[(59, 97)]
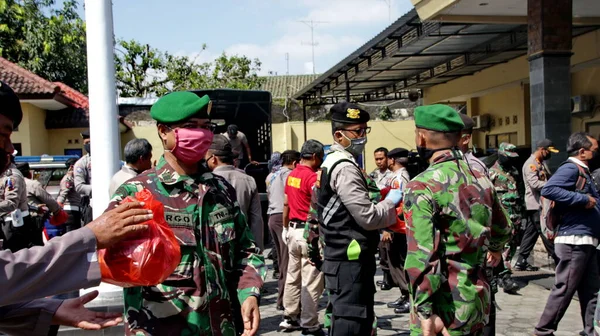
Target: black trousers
[(530, 237), (577, 271), (394, 254), (352, 295), (18, 238)]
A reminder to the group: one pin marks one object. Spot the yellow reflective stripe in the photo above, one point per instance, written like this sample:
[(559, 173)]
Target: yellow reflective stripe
[(353, 250)]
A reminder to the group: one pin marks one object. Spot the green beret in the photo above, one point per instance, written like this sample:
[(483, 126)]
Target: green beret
[(438, 117), (179, 106)]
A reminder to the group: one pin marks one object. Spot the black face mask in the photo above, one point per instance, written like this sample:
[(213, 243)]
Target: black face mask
[(88, 148), (505, 161), (548, 156), (426, 153)]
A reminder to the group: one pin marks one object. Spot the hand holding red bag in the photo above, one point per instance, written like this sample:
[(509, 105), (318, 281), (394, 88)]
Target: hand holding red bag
[(147, 258), (400, 225), (59, 218)]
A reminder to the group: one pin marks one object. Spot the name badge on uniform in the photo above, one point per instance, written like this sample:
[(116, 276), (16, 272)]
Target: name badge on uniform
[(179, 219), (220, 215), (16, 217)]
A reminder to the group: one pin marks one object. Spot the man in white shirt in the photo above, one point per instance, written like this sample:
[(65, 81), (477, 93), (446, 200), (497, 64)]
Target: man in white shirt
[(138, 158), (381, 174), (238, 142)]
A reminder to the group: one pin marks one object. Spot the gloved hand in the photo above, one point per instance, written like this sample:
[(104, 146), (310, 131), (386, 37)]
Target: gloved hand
[(394, 195), (59, 218), (284, 235)]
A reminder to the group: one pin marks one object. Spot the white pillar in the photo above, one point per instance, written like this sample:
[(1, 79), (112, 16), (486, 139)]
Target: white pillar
[(104, 128)]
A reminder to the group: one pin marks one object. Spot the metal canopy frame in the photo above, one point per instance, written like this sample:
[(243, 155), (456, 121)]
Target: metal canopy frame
[(411, 54)]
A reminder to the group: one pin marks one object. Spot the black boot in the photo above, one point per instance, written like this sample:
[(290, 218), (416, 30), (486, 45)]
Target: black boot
[(404, 308), (397, 304), (509, 285)]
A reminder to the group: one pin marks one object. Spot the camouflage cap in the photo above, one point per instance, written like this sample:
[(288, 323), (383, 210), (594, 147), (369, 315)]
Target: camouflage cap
[(179, 106), (508, 149), (439, 118)]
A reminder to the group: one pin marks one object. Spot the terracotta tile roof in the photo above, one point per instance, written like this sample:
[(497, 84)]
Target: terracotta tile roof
[(79, 99), (277, 84), (25, 82)]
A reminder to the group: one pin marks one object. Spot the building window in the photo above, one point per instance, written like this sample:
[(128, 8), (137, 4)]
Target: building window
[(494, 140)]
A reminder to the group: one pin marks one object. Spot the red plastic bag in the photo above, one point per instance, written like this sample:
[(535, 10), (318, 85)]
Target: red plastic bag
[(400, 225), (147, 258)]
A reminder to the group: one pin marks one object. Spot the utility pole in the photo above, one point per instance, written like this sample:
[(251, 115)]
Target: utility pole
[(311, 24), (103, 99), (389, 3)]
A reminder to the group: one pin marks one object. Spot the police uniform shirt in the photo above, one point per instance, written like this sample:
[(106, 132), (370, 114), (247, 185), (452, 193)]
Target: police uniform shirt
[(535, 176), (348, 183), (83, 176)]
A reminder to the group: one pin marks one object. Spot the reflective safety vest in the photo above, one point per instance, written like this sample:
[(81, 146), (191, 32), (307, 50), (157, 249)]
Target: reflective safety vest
[(344, 238)]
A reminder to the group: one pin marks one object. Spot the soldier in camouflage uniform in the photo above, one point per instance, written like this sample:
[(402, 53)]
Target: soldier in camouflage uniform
[(504, 176), (218, 282), (453, 217)]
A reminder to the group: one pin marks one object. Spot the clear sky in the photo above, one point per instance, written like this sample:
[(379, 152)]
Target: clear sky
[(266, 29)]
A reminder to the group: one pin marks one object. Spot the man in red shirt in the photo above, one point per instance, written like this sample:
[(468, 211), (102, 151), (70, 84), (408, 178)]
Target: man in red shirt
[(304, 283)]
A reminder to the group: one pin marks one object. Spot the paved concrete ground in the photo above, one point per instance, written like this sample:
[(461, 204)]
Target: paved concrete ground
[(518, 315)]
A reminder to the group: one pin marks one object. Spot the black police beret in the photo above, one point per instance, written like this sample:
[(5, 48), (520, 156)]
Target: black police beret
[(398, 153), (11, 107), (85, 134), (349, 113), (468, 121)]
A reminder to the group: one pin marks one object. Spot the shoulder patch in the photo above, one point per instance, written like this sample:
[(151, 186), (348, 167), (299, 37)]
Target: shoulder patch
[(532, 167)]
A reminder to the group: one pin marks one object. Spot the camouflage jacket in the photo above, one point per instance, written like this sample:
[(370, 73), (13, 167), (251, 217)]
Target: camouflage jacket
[(453, 216), (507, 188), (218, 257)]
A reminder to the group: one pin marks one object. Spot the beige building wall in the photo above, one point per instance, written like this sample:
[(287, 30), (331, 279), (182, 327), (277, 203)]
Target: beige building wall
[(147, 132), (22, 134), (37, 129), (587, 82), (502, 91), (59, 140), (394, 134)]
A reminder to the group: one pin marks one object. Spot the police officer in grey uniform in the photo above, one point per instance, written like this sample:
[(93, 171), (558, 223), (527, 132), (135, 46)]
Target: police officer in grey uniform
[(349, 222), (18, 229), (83, 179), (465, 139), (69, 198)]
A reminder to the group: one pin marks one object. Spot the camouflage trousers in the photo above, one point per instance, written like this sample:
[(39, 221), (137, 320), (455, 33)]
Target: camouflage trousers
[(510, 250)]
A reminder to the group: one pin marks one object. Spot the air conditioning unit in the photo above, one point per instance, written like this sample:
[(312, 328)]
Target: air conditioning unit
[(481, 121), (582, 104)]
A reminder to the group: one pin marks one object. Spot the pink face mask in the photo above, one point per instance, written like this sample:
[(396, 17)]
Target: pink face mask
[(191, 144)]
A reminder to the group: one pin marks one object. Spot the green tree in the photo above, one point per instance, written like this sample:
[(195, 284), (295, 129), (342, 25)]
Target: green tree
[(45, 39), (140, 69), (144, 71), (231, 72)]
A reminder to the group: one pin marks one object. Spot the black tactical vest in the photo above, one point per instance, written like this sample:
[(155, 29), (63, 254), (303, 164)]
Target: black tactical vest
[(344, 238)]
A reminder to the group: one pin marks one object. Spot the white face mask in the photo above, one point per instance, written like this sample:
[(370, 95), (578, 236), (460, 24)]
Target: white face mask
[(356, 146)]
